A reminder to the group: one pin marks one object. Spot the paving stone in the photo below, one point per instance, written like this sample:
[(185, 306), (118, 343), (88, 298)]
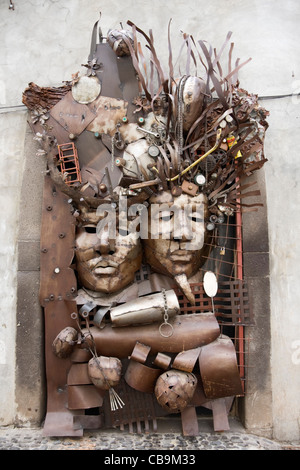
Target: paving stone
[(32, 439)]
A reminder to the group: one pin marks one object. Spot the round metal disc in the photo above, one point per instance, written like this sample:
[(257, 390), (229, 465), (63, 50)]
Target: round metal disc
[(153, 151), (86, 90), (200, 179), (210, 284)]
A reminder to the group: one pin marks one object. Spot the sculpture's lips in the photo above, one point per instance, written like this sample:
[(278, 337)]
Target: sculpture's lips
[(102, 265), (183, 256), (107, 270)]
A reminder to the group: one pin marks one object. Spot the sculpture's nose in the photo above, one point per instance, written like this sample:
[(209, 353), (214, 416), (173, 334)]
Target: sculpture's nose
[(182, 229), (105, 245)]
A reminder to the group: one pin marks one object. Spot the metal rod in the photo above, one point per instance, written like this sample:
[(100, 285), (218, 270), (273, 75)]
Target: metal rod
[(199, 159)]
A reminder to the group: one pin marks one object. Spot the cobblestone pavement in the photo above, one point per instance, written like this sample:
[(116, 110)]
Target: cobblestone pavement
[(12, 438)]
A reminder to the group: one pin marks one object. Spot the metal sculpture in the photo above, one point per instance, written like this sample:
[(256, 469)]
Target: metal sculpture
[(160, 162)]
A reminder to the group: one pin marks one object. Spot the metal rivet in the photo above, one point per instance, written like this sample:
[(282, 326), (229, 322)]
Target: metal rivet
[(44, 250), (56, 270), (49, 208), (103, 188), (62, 235)]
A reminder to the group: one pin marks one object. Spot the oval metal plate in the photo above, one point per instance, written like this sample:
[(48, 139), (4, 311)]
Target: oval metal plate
[(210, 284)]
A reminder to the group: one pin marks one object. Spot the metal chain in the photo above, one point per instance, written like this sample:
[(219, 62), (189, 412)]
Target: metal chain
[(165, 324)]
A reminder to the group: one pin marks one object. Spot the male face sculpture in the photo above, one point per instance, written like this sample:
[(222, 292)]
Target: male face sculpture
[(176, 236), (106, 262)]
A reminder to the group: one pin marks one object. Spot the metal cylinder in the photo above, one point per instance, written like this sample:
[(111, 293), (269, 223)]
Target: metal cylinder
[(148, 309)]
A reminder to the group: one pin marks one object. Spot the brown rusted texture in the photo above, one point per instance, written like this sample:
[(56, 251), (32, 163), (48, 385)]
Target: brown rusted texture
[(58, 280), (186, 360), (59, 418), (174, 390), (189, 421), (189, 331), (218, 368), (43, 97), (74, 117), (140, 352), (141, 377)]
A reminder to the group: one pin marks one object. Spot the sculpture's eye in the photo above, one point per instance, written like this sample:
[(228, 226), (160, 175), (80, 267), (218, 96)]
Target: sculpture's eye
[(90, 229)]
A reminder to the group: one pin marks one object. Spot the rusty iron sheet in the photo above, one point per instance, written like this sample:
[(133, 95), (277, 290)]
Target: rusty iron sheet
[(162, 361), (72, 116), (88, 421), (186, 360), (141, 377), (199, 398), (108, 74), (219, 370), (59, 420), (93, 153), (140, 352), (189, 331), (61, 424), (220, 415), (109, 112), (130, 86), (80, 355), (189, 421), (78, 375), (35, 96), (57, 278), (82, 397)]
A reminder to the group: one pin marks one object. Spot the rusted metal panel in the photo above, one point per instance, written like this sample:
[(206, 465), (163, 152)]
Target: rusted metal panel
[(186, 360), (219, 370), (189, 421), (58, 280), (140, 352), (78, 375), (35, 96), (189, 331), (82, 397), (141, 377), (59, 419), (74, 117), (220, 415)]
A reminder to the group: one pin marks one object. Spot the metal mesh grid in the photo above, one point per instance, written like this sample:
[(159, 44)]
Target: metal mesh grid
[(69, 163)]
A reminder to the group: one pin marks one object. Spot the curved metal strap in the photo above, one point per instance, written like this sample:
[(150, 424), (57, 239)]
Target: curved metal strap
[(94, 39)]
